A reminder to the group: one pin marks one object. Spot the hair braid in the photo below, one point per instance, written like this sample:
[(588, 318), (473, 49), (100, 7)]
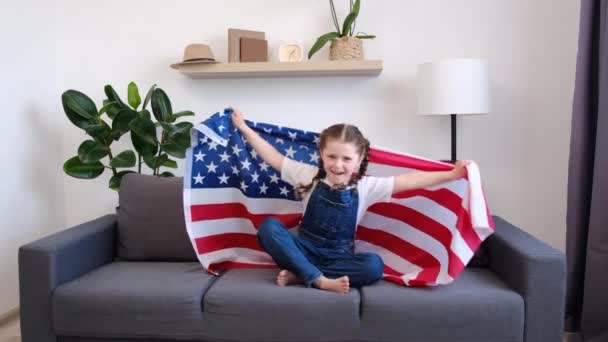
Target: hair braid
[(302, 189), (363, 166)]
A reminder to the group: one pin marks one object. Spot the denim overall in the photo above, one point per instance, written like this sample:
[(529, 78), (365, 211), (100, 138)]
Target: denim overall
[(325, 245)]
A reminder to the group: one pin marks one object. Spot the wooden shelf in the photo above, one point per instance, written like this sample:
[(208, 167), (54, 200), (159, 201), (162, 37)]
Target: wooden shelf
[(296, 69)]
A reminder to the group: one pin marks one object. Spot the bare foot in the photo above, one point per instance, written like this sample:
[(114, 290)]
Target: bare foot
[(285, 277), (340, 285)]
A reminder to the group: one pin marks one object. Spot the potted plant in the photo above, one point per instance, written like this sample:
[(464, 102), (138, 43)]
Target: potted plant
[(345, 44), (154, 151)]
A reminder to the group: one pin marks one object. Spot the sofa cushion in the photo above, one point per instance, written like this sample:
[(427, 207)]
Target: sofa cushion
[(151, 223), (476, 307), (133, 299), (247, 305)]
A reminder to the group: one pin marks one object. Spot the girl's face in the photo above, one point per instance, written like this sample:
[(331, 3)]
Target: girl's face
[(340, 160)]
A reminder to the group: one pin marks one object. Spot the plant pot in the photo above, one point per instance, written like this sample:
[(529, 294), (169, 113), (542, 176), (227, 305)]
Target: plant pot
[(346, 48)]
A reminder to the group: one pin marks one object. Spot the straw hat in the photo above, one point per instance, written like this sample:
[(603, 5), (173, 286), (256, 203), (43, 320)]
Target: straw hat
[(196, 54)]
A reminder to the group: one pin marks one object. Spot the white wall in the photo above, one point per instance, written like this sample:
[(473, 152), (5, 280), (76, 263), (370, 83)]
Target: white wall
[(521, 147)]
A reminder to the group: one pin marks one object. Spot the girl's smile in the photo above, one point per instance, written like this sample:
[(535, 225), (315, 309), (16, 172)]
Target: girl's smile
[(340, 161)]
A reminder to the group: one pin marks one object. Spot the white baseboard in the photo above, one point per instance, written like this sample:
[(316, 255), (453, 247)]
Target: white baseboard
[(9, 316)]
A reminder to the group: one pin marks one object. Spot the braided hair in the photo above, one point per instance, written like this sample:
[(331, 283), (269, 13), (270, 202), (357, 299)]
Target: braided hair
[(347, 134)]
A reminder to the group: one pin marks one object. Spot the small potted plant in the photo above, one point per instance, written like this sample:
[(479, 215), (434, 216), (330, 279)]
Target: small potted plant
[(345, 44)]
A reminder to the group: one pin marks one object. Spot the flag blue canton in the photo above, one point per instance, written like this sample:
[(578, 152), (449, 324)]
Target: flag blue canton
[(237, 165)]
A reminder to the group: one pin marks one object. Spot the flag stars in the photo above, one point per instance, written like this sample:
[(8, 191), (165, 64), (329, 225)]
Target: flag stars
[(221, 128), (198, 179), (211, 167), (235, 170), (264, 166), (199, 156), (254, 177), (212, 146), (236, 150), (225, 157), (292, 135), (284, 190), (290, 152), (254, 154), (267, 130), (314, 157), (244, 186), (263, 188), (279, 141), (246, 164), (274, 179), (316, 139), (223, 178)]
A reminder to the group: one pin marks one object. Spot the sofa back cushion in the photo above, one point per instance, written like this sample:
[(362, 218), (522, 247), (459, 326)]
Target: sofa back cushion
[(151, 223)]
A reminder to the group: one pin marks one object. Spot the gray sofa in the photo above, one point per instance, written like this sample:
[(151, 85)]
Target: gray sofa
[(133, 276)]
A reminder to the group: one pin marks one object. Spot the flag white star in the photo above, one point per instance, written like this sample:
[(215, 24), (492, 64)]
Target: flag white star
[(314, 156), (244, 186), (199, 156), (212, 146), (221, 128), (316, 139), (254, 177), (267, 130), (263, 188), (264, 166), (211, 167), (274, 179), (203, 140), (245, 164), (279, 141), (225, 157), (290, 152), (235, 171), (284, 190), (236, 150), (223, 178), (254, 154), (198, 179), (292, 135)]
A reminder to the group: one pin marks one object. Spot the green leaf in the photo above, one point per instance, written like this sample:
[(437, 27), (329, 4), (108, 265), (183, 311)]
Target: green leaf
[(161, 106), (110, 107), (121, 122), (101, 132), (350, 18), (148, 96), (75, 168), (143, 136), (124, 159), (112, 96), (174, 149), (156, 162), (79, 108), (166, 174), (91, 151), (145, 114), (170, 163), (180, 114), (321, 41), (133, 93), (366, 36), (115, 181)]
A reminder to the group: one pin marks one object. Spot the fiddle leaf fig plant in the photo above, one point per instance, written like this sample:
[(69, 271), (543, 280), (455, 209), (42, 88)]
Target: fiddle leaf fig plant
[(116, 118), (348, 27)]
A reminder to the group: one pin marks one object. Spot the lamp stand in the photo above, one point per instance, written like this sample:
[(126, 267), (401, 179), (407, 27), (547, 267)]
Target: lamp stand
[(453, 123)]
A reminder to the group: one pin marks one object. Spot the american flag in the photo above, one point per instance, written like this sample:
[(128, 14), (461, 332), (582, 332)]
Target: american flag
[(425, 237)]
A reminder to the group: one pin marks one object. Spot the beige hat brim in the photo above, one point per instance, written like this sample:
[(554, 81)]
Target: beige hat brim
[(177, 65)]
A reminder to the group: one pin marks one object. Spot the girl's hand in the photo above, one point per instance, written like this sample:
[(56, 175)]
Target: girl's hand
[(459, 169), (238, 120)]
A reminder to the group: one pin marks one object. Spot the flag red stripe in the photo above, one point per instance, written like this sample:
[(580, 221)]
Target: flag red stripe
[(238, 210), (217, 242)]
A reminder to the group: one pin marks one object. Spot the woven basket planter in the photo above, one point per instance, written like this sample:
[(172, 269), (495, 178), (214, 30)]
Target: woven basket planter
[(346, 48)]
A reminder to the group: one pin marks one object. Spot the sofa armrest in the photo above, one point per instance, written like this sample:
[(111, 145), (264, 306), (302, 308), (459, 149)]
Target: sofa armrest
[(538, 272), (56, 259)]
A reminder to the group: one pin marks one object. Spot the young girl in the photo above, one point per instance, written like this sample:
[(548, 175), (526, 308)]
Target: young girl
[(335, 196)]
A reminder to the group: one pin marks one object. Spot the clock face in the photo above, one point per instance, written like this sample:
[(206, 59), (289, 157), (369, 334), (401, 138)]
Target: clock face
[(291, 53)]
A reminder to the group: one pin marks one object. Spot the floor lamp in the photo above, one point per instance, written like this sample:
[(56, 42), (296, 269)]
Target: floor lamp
[(453, 87)]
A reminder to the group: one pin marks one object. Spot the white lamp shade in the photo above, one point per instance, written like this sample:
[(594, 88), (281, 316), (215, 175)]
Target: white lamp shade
[(453, 86)]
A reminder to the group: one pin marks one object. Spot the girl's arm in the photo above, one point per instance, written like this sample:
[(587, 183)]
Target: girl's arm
[(422, 179), (270, 154)]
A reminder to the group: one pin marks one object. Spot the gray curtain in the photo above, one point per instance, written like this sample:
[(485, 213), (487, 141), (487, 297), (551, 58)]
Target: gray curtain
[(587, 216)]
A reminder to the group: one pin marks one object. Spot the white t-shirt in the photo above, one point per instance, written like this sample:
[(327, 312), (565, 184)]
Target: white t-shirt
[(370, 189)]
